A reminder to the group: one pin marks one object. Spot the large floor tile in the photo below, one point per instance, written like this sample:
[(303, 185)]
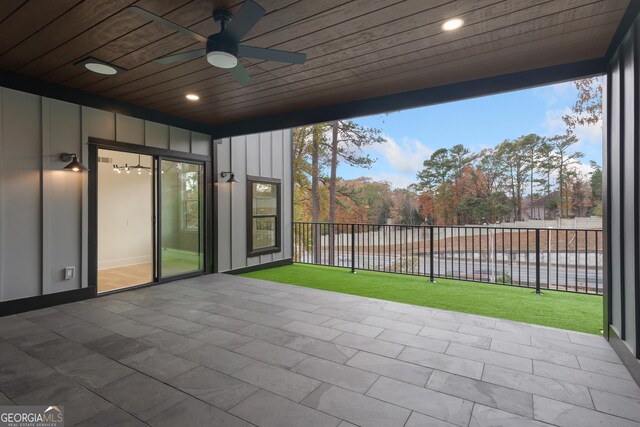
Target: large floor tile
[(270, 353), (508, 399), (311, 330), (490, 357), (220, 338), (213, 387), (416, 341), (285, 383), (484, 416), (438, 405), (141, 395), (566, 392), (392, 368), (194, 412), (217, 358), (370, 345), (567, 415), (337, 374), (116, 346), (269, 410), (356, 408), (443, 362), (94, 370), (590, 379), (615, 404), (158, 364)]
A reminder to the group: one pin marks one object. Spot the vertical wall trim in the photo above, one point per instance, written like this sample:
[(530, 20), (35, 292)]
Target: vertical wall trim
[(230, 206), (606, 197), (214, 206), (291, 185), (621, 150), (1, 199), (45, 192), (84, 227), (636, 184)]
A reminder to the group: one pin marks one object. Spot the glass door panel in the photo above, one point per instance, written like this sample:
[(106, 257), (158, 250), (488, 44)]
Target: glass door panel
[(181, 218), (125, 215)]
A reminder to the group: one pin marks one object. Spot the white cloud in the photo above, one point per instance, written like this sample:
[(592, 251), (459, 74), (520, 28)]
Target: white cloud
[(584, 170), (404, 156), (554, 125), (555, 94), (397, 180)]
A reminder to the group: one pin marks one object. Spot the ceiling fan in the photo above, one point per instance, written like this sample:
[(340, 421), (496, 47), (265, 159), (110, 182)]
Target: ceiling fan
[(223, 49)]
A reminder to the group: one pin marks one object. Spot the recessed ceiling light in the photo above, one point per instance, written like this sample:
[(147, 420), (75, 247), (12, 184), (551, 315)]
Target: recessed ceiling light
[(100, 67), (192, 97), (452, 24)]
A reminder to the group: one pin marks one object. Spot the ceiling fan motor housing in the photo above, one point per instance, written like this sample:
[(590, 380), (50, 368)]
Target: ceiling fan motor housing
[(221, 52)]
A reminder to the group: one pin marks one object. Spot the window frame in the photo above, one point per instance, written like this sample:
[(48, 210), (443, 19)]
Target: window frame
[(251, 252)]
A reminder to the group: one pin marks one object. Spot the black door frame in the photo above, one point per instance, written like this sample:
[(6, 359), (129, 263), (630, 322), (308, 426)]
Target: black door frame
[(158, 154)]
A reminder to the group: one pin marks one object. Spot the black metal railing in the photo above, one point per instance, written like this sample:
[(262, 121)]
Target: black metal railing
[(541, 258)]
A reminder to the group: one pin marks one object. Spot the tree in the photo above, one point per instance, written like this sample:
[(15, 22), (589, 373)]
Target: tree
[(348, 139), (564, 160), (587, 109), (515, 155), (533, 144), (580, 191), (595, 181), (545, 169)]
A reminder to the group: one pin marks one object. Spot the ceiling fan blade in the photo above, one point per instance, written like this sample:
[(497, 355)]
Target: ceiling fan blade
[(240, 74), (168, 24), (272, 54), (170, 59), (244, 20)]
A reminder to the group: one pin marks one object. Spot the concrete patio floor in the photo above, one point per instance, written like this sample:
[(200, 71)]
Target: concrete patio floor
[(227, 350)]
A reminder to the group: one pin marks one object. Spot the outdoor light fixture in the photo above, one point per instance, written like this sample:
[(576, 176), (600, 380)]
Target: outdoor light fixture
[(100, 67), (232, 179), (128, 169), (192, 97), (74, 165), (452, 24)]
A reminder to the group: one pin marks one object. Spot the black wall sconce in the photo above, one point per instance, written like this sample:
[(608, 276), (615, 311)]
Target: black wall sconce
[(232, 179), (74, 165)]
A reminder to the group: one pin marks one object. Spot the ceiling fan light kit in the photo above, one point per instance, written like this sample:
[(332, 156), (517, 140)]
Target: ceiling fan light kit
[(221, 53), (223, 49)]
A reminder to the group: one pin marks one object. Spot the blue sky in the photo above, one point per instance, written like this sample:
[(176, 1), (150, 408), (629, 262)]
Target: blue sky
[(412, 135)]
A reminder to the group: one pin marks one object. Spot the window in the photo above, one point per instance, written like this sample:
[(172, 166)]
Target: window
[(263, 220), (190, 198)]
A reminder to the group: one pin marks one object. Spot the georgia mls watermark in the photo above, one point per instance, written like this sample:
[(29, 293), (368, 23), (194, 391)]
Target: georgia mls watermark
[(32, 416)]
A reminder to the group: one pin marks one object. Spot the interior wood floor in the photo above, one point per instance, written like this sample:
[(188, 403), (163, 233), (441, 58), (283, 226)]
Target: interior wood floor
[(110, 279)]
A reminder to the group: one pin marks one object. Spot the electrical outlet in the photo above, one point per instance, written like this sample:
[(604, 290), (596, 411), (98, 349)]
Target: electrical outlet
[(69, 273)]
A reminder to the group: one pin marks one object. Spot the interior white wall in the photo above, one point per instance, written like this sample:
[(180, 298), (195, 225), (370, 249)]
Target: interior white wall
[(125, 221)]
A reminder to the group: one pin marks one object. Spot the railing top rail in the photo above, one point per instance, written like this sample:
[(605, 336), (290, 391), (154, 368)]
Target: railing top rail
[(490, 227)]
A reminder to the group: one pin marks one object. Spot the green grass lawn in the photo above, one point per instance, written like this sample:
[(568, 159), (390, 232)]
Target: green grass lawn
[(557, 309)]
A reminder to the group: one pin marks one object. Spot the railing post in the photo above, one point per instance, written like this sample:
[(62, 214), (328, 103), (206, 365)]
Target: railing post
[(353, 248), (537, 260), (431, 254)]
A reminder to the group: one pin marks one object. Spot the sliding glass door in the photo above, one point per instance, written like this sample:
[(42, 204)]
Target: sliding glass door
[(181, 208), (147, 218)]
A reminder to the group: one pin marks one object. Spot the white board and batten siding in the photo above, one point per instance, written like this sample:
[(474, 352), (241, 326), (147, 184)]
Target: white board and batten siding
[(44, 210), (266, 155)]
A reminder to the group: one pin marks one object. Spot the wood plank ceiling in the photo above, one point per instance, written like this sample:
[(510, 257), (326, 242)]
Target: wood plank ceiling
[(356, 48)]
